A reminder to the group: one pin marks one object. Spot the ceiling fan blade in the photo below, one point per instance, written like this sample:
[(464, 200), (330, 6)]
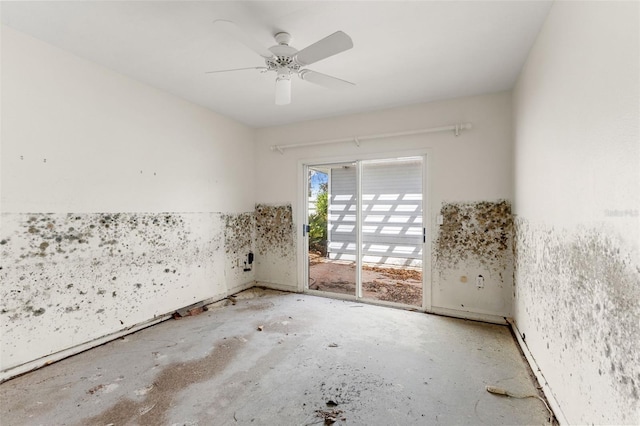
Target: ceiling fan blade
[(236, 69), (328, 46), (236, 32), (324, 80)]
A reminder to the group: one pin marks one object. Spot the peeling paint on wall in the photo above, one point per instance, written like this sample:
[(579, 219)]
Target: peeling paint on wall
[(70, 278), (474, 244), (275, 242), (578, 304)]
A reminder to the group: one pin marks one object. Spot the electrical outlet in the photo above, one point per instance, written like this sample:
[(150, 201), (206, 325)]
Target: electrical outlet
[(480, 281)]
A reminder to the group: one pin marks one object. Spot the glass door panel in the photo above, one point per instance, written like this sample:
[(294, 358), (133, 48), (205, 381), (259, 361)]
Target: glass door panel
[(392, 230), (332, 232)]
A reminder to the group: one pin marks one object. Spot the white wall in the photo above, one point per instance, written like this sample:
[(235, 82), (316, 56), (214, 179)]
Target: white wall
[(577, 202), (111, 144), (120, 202), (476, 166)]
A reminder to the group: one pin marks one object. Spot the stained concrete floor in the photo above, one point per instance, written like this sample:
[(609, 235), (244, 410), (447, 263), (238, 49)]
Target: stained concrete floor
[(372, 365)]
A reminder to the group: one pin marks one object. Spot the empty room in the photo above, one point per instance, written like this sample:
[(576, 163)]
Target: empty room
[(320, 212)]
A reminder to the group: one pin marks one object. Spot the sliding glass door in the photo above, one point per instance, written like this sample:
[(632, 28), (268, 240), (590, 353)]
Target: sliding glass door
[(365, 228), (332, 228)]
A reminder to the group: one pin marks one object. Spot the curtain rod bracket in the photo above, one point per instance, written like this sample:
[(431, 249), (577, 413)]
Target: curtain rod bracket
[(276, 148), (357, 141), (457, 130)]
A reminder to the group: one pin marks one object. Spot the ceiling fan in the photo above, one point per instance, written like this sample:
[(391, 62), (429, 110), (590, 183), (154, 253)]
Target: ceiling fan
[(285, 60)]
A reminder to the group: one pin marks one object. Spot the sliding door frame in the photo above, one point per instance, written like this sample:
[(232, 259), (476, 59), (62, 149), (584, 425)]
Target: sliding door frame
[(302, 214)]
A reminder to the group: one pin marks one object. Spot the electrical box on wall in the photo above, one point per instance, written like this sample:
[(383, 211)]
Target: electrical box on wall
[(480, 281), (248, 262)]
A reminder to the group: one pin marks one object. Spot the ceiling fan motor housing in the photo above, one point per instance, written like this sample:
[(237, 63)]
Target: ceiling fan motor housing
[(283, 54)]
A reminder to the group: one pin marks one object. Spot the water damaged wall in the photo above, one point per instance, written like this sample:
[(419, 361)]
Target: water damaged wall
[(473, 257), (577, 227), (71, 278), (578, 296), (239, 244), (275, 243)]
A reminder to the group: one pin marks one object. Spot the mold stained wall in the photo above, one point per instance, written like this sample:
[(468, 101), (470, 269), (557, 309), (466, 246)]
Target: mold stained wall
[(275, 241), (577, 207), (472, 172), (120, 203)]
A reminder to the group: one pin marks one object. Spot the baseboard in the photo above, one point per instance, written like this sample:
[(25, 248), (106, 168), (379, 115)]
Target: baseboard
[(491, 318), (546, 389)]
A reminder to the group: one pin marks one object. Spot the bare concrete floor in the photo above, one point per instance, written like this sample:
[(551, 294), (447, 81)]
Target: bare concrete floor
[(314, 358)]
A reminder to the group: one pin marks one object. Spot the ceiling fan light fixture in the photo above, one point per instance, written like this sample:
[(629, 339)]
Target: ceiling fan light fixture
[(283, 89)]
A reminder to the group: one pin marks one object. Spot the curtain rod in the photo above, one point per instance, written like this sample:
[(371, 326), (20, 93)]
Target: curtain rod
[(357, 139)]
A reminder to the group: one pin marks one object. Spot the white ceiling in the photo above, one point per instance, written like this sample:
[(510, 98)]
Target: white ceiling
[(404, 52)]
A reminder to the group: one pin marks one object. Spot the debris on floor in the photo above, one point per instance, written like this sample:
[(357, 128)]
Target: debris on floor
[(503, 392), (196, 311), (190, 311), (330, 416), (94, 389), (333, 345), (260, 327)]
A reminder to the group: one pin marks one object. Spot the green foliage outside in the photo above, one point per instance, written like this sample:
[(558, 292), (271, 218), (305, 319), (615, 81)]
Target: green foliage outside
[(318, 222)]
